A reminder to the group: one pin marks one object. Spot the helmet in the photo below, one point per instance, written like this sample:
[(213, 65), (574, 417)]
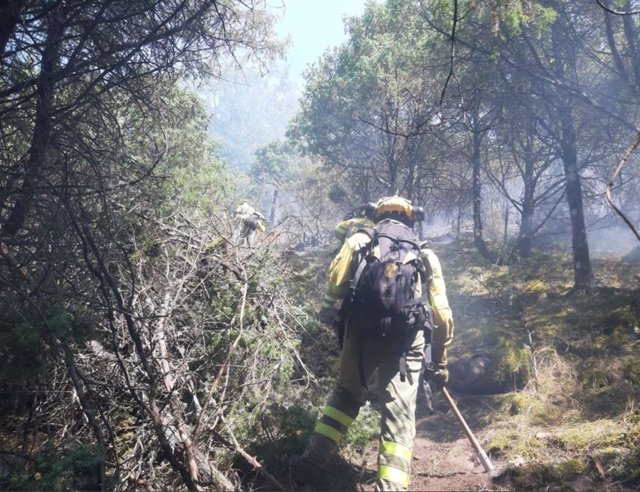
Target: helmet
[(394, 206)]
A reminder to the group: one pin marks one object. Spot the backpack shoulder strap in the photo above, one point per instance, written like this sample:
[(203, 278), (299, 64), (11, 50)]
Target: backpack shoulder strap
[(369, 231), (362, 253)]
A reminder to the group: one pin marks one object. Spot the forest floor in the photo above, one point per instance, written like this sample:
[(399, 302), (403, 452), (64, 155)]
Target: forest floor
[(443, 457), (572, 425)]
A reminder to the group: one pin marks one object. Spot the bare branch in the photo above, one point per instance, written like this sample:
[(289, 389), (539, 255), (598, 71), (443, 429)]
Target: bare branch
[(615, 12), (614, 175)]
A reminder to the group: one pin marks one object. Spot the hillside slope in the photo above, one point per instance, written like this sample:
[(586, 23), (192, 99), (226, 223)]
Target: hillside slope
[(567, 415)]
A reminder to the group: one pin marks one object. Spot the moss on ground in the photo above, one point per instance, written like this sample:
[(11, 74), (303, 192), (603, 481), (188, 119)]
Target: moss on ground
[(578, 412), (515, 443)]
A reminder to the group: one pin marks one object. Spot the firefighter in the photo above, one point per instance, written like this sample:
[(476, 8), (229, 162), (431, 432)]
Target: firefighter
[(249, 221), (361, 356)]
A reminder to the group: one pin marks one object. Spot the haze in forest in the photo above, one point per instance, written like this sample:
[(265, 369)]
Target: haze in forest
[(250, 109), (165, 252)]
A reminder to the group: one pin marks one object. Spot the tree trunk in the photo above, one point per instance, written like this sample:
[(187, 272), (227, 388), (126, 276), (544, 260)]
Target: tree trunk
[(611, 40), (42, 127), (9, 18), (583, 275), (525, 235), (476, 198), (526, 231), (274, 203), (631, 36), (505, 232), (565, 57)]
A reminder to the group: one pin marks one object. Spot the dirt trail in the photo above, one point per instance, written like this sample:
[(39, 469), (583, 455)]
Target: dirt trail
[(443, 457)]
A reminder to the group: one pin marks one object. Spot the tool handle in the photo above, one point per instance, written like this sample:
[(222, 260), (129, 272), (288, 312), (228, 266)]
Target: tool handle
[(481, 454)]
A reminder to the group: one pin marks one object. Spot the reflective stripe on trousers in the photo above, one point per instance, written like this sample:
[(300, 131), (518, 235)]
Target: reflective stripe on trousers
[(398, 404), (394, 465), (333, 424), (340, 411)]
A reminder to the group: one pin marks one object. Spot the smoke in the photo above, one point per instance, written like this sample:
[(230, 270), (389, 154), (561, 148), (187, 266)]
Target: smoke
[(612, 242)]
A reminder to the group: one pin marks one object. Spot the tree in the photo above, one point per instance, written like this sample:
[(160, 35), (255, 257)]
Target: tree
[(274, 165), (91, 118), (66, 57), (525, 174), (551, 49), (365, 108)]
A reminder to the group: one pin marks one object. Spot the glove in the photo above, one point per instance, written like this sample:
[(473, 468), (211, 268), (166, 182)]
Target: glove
[(438, 378)]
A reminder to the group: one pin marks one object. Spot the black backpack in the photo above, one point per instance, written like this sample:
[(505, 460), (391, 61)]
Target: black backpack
[(382, 301)]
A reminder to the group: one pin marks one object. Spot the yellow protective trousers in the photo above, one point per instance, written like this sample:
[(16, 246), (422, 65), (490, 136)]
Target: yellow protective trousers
[(397, 398)]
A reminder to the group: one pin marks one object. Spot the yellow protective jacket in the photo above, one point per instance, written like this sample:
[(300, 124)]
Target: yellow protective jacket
[(348, 227), (343, 268)]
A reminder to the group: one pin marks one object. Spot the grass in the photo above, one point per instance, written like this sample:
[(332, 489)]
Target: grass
[(574, 358), (577, 414)]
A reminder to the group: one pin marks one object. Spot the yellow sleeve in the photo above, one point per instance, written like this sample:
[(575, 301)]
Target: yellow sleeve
[(443, 320), (342, 268), (341, 229)]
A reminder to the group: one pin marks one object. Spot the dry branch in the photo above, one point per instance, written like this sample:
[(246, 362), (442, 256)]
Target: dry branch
[(235, 446), (615, 174)]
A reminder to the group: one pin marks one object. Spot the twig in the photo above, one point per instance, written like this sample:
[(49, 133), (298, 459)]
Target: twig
[(453, 52), (615, 174), (225, 364), (235, 446)]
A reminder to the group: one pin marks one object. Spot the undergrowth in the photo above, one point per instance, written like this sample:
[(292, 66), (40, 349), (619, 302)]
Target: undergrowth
[(578, 412), (566, 366)]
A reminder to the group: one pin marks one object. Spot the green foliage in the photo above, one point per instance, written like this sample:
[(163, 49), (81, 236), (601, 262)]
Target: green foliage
[(582, 398), (513, 443), (552, 477), (76, 468), (364, 429), (111, 182), (274, 163), (545, 16), (516, 15), (198, 176), (364, 89), (28, 336), (531, 408), (513, 18), (573, 466), (283, 427), (586, 436), (514, 363), (605, 441)]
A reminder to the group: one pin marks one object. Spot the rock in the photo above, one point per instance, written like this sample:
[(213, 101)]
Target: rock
[(477, 375)]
